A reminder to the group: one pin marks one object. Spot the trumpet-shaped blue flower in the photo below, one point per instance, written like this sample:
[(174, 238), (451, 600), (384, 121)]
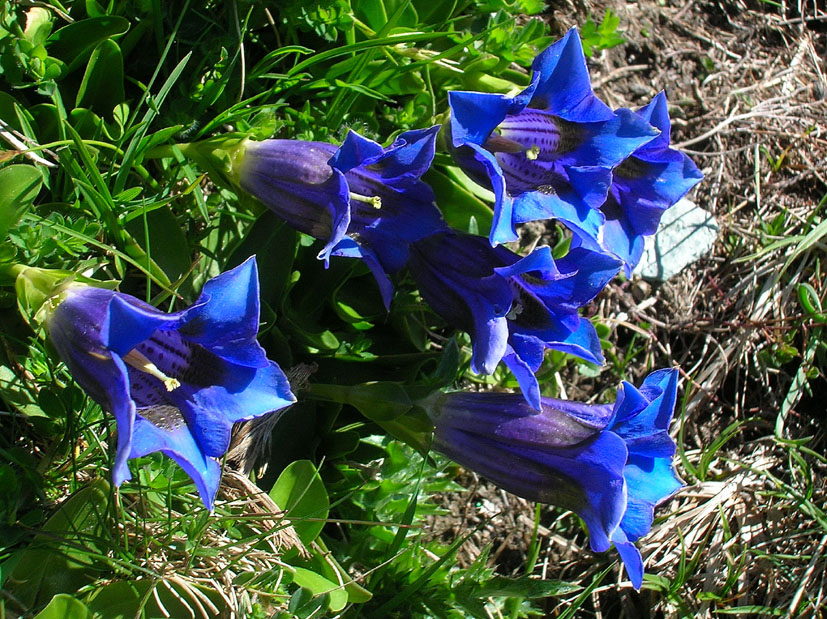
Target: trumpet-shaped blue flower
[(647, 183), (513, 307), (610, 464), (363, 200), (175, 383), (547, 152)]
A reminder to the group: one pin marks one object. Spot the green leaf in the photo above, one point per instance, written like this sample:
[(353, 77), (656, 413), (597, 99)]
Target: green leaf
[(340, 443), (376, 13), (62, 558), (64, 606), (601, 37), (434, 12), (379, 400), (414, 428), (18, 394), (102, 86), (300, 491), (448, 367), (266, 64), (161, 237), (754, 610), (140, 598), (93, 9), (319, 585), (523, 586), (274, 244), (532, 7), (19, 186), (10, 497), (74, 43), (456, 201), (710, 453), (8, 111), (347, 50), (119, 599), (87, 124)]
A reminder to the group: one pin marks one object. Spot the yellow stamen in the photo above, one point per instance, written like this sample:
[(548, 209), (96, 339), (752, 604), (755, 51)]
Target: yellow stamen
[(141, 363), (532, 153), (374, 201)]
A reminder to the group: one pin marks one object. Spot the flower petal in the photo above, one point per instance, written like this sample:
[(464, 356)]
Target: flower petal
[(178, 443), (612, 141), (588, 273), (621, 240), (640, 412), (474, 115), (650, 182), (650, 481), (583, 342), (587, 478), (455, 275), (225, 318), (565, 205), (656, 113), (631, 558), (539, 260), (524, 373), (508, 419), (77, 330), (295, 180), (247, 393), (349, 248), (502, 225), (408, 158), (355, 151), (490, 337), (564, 87), (129, 322)]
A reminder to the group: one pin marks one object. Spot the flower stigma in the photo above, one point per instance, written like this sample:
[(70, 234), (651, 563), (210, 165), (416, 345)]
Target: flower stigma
[(142, 364), (374, 201)]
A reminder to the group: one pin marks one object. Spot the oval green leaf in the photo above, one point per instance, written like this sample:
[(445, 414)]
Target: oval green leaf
[(64, 606), (74, 43), (19, 186), (319, 585), (300, 492), (102, 86)]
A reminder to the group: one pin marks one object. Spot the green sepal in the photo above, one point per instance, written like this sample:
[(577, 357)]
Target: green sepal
[(40, 291)]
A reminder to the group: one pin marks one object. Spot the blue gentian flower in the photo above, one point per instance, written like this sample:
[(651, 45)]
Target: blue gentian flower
[(175, 383), (363, 200), (647, 183), (610, 464), (513, 307), (547, 152)]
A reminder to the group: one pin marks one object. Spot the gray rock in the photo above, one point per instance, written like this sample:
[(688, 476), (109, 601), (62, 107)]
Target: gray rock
[(685, 234)]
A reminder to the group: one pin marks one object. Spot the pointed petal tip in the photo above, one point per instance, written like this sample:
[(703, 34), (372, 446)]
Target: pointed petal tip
[(657, 113), (354, 151), (631, 558), (241, 281), (120, 473), (416, 134)]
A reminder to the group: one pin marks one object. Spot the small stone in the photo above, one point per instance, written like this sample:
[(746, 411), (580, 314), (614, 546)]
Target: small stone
[(640, 290), (685, 234)]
